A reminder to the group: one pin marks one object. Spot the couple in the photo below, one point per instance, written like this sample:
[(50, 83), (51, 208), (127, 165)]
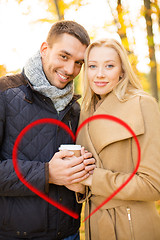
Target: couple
[(45, 90)]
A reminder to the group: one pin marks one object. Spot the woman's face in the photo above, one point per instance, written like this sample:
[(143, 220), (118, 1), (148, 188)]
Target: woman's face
[(104, 69)]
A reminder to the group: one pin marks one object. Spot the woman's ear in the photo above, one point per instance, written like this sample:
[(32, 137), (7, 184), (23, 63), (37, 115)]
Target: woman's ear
[(121, 76)]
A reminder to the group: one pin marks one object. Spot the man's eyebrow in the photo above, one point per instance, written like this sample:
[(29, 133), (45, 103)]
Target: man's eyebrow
[(67, 53)]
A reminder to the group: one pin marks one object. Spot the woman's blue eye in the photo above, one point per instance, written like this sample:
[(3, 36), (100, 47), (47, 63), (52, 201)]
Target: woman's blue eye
[(92, 66), (110, 66)]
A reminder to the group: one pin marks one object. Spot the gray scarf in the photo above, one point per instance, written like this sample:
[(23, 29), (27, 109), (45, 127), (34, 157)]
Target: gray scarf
[(34, 72)]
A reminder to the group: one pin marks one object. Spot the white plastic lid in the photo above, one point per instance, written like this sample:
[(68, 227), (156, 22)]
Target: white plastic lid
[(70, 147)]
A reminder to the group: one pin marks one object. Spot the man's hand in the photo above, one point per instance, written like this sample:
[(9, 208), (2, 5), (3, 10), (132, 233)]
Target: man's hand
[(67, 172)]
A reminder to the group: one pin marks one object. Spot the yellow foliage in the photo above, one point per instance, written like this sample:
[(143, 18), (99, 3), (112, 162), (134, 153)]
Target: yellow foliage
[(158, 75), (19, 1), (51, 6), (158, 206), (152, 64), (145, 83), (3, 70), (62, 6)]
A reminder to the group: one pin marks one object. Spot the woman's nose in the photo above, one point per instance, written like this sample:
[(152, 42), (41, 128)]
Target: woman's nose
[(100, 73)]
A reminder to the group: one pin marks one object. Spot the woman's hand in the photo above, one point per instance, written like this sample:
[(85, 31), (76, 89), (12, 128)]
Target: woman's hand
[(89, 166), (89, 161), (87, 181), (76, 187)]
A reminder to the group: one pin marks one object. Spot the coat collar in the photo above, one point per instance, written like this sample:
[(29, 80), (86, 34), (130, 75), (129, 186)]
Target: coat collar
[(109, 131)]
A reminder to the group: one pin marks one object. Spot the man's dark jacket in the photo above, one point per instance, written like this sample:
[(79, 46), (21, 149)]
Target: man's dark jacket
[(22, 213)]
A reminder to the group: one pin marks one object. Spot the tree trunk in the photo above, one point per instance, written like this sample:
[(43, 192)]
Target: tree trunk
[(151, 45), (60, 16), (122, 26), (158, 11)]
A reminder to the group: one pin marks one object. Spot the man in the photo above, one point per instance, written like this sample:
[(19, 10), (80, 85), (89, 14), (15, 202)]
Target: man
[(43, 90)]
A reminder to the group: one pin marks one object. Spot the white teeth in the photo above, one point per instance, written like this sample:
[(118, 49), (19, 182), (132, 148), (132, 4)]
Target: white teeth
[(65, 78)]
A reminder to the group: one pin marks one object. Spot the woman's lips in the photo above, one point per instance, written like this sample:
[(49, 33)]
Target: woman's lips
[(101, 84)]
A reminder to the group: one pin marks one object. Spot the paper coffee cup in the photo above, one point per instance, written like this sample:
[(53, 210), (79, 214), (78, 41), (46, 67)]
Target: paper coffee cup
[(72, 147)]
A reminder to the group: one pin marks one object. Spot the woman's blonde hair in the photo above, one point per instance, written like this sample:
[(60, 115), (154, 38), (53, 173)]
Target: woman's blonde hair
[(128, 86)]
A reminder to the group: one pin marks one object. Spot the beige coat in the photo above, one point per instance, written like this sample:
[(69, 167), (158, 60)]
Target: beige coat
[(131, 214)]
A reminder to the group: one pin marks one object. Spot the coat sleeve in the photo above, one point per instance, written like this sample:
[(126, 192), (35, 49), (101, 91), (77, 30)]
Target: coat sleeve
[(145, 185), (34, 172)]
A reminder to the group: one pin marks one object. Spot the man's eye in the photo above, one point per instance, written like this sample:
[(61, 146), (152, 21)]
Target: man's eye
[(79, 63), (64, 57)]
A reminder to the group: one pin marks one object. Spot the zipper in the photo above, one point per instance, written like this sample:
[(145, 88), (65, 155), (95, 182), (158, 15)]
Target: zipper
[(130, 223)]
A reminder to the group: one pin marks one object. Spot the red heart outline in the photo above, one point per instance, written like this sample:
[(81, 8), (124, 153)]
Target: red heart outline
[(67, 129)]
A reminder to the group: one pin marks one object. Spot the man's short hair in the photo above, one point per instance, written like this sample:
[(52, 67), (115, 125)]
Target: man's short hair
[(69, 27)]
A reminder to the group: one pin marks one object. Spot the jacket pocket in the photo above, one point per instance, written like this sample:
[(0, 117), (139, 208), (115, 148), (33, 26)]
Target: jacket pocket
[(143, 221), (130, 223)]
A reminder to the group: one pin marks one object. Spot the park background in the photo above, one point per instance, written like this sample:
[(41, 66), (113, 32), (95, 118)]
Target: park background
[(24, 25)]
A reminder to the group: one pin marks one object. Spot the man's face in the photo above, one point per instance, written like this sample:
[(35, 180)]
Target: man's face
[(63, 61)]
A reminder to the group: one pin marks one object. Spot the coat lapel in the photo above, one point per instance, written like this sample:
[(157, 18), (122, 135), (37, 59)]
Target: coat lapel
[(103, 132)]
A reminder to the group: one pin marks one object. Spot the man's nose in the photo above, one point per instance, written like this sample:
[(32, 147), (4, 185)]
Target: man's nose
[(69, 68)]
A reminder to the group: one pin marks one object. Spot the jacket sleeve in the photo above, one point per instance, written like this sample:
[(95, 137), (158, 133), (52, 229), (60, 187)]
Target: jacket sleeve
[(34, 172), (145, 185)]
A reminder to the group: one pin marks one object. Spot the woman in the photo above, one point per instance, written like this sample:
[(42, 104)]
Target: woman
[(111, 87)]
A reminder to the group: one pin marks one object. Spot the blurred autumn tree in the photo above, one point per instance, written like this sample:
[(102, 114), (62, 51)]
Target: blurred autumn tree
[(3, 70), (157, 10), (122, 26), (118, 18), (120, 14), (58, 8), (151, 45), (121, 18), (122, 21)]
